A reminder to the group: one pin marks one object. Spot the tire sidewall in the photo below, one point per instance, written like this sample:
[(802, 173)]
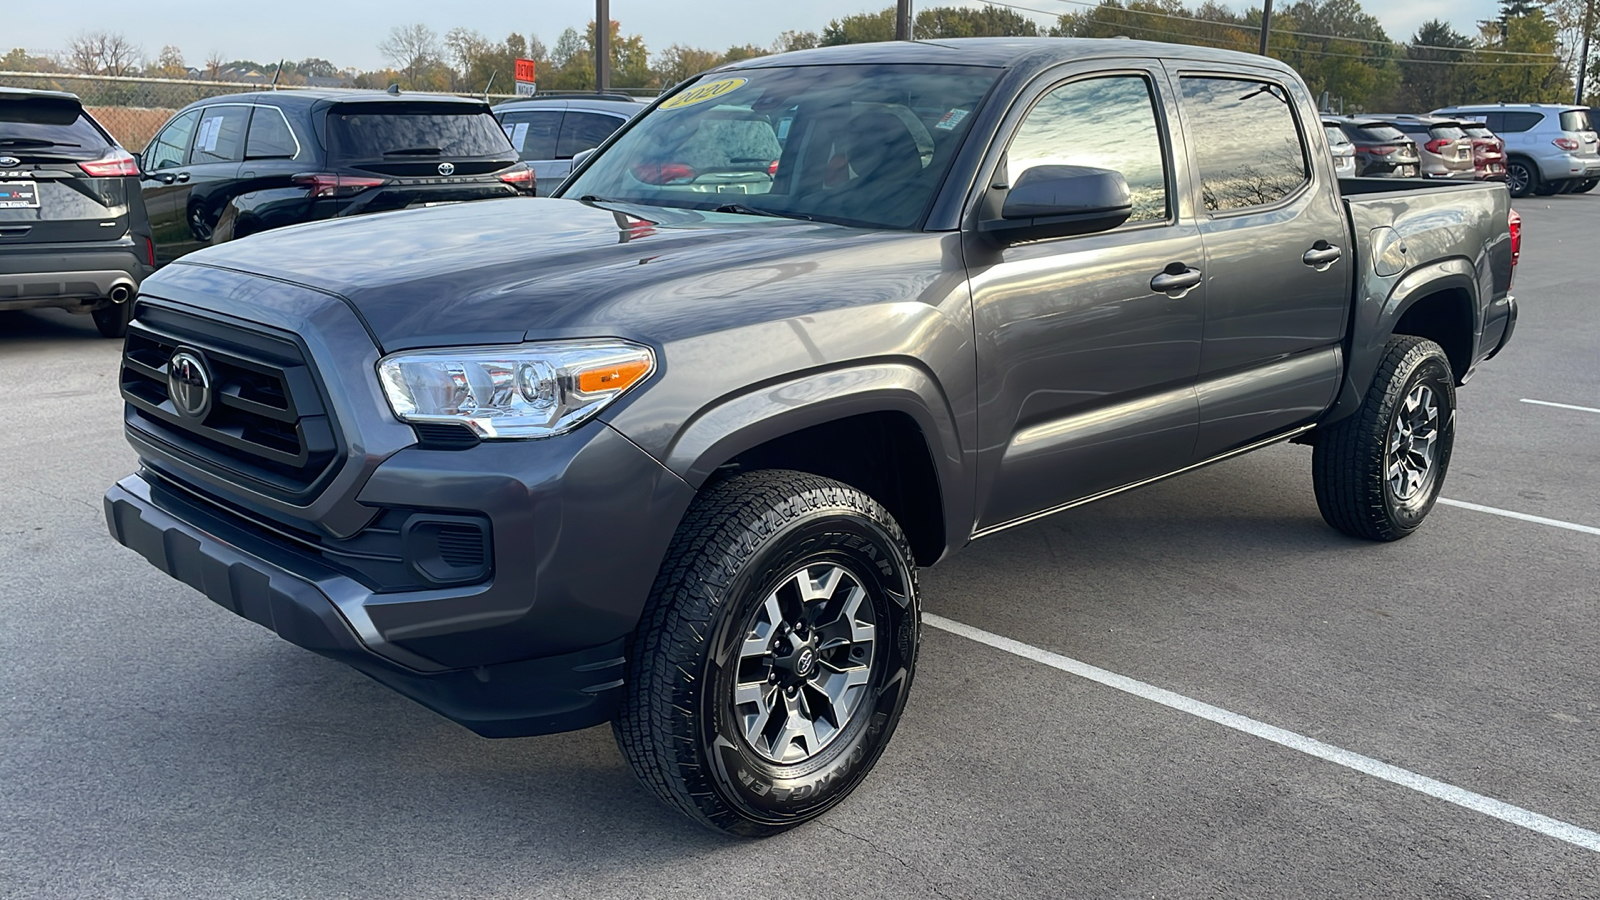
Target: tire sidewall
[(1431, 369), (775, 794)]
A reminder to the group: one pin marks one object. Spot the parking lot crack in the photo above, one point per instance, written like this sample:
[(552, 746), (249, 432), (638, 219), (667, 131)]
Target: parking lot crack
[(889, 853)]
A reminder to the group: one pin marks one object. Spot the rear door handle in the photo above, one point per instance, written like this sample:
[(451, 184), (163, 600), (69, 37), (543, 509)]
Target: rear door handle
[(1322, 255), (1176, 280)]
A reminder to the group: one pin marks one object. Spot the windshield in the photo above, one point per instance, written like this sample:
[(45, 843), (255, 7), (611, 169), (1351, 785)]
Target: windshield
[(1380, 134), (1446, 132), (859, 145), (1478, 131), (49, 126), (1575, 120), (420, 132), (1336, 136)]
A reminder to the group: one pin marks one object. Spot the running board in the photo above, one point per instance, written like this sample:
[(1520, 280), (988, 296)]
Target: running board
[(1291, 433)]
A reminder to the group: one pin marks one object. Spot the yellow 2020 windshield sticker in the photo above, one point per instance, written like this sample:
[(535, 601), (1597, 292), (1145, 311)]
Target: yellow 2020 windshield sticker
[(700, 93)]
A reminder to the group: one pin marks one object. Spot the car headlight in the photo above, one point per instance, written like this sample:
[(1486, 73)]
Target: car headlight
[(527, 391)]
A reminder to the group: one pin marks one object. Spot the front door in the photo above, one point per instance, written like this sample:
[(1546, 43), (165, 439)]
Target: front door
[(164, 181), (1086, 368)]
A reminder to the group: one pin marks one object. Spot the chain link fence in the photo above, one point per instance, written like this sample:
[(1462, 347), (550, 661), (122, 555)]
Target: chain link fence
[(134, 109)]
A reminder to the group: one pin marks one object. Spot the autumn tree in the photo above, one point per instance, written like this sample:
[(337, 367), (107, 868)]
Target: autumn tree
[(678, 62), (104, 53), (417, 55)]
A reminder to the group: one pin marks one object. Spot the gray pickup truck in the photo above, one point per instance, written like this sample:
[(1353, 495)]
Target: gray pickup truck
[(667, 449)]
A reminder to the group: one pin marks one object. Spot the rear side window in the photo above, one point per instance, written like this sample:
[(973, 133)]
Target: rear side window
[(1380, 134), (46, 123), (270, 137), (1518, 122), (533, 133), (220, 137), (1249, 150), (1575, 120), (1106, 123), (582, 131), (172, 145), (421, 132)]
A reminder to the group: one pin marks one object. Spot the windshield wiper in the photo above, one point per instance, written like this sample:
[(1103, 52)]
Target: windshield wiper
[(33, 142), (743, 210), (414, 151)]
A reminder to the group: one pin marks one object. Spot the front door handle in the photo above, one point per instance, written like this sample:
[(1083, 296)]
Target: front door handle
[(1322, 255), (182, 176), (1176, 280)]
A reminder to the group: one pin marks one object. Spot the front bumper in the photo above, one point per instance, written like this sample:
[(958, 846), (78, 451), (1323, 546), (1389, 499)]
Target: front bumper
[(267, 584)]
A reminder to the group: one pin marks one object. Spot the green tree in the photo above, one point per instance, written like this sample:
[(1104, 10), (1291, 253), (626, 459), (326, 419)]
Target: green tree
[(1432, 77), (678, 62), (959, 22), (862, 28), (1501, 78), (795, 40)]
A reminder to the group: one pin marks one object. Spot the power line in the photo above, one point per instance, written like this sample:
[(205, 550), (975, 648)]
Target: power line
[(1252, 28), (1550, 59)]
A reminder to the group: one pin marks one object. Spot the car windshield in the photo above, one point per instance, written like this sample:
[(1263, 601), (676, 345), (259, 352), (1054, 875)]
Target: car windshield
[(1336, 136), (1575, 120), (858, 144), (1380, 134), (48, 126), (1478, 131), (422, 131), (1446, 132)]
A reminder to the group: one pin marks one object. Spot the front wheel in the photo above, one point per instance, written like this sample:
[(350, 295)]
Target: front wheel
[(1379, 471), (774, 655)]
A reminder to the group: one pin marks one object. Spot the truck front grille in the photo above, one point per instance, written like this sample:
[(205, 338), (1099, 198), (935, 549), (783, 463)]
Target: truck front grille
[(266, 427)]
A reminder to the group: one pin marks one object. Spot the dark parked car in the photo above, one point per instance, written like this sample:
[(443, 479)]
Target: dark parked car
[(669, 451), (231, 166), (1488, 151), (549, 131), (1382, 150), (73, 231)]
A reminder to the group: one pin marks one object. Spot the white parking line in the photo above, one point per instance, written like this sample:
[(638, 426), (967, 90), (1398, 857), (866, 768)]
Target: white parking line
[(1505, 812), (1561, 405), (1537, 520)]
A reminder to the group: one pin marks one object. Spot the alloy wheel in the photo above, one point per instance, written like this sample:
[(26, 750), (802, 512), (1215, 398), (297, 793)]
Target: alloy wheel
[(1409, 463), (1517, 179)]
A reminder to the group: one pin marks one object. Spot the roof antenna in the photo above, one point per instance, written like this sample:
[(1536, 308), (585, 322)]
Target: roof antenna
[(276, 74), (489, 85), (393, 89)]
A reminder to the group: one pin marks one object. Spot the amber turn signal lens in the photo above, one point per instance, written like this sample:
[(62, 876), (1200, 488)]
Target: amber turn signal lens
[(613, 378)]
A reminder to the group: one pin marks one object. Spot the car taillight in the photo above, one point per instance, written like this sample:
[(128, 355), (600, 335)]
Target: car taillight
[(664, 173), (1566, 143), (328, 184), (521, 179), (1382, 150), (119, 163), (1514, 222), (773, 169), (150, 253), (1436, 145)]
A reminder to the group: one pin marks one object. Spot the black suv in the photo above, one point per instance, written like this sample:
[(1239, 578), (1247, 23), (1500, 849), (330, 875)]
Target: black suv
[(73, 231), (230, 166)]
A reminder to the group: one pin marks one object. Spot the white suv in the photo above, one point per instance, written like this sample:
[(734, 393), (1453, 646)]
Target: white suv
[(1550, 148)]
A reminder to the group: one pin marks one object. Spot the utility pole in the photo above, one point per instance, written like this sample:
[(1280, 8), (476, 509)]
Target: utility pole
[(902, 20), (1266, 25), (1583, 58), (602, 45)]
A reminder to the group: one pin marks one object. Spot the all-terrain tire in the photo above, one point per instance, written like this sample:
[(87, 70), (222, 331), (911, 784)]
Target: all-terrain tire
[(1367, 468), (746, 546)]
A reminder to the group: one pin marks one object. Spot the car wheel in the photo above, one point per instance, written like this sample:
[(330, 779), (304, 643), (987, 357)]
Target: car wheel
[(1379, 471), (1586, 185), (1522, 178), (774, 655), (112, 319)]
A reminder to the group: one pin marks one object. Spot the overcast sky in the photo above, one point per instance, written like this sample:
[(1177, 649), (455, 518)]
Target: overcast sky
[(348, 33)]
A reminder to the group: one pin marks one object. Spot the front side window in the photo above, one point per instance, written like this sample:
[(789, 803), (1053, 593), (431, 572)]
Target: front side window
[(1245, 140), (220, 137), (864, 145), (172, 144), (1106, 123), (582, 131), (533, 133)]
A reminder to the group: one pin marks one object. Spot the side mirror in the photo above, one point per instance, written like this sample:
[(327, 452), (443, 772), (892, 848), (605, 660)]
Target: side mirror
[(1057, 201), (138, 162), (581, 156)]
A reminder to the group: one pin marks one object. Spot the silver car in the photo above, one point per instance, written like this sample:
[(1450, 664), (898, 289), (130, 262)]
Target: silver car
[(549, 130), (1344, 151), (1551, 148), (1446, 150)]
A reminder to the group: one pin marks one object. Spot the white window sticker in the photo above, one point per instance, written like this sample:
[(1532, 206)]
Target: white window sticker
[(951, 119), (210, 129), (519, 135)]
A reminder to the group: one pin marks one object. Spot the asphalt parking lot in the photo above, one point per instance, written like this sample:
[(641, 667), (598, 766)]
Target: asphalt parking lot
[(154, 745)]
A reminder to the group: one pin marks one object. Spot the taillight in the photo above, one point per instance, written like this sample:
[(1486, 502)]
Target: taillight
[(1436, 145), (1514, 222), (150, 253), (521, 179), (119, 163), (1566, 143), (1381, 150), (773, 169), (328, 184), (664, 173)]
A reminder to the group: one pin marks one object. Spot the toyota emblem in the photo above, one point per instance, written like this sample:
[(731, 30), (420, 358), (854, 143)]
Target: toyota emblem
[(447, 168), (10, 161), (189, 384)]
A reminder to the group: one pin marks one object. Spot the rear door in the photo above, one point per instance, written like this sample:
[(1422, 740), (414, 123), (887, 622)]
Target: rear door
[(1277, 258), (533, 133), (46, 196), (213, 170)]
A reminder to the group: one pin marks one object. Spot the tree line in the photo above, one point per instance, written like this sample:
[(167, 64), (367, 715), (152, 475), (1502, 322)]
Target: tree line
[(1527, 54)]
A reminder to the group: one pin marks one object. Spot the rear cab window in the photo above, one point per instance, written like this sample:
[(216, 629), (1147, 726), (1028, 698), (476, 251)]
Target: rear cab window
[(420, 131), (1246, 142), (56, 127)]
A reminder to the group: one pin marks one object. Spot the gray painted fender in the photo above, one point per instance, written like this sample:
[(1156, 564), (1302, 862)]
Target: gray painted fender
[(748, 420)]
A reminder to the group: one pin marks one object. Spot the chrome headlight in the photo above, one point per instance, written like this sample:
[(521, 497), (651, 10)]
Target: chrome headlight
[(526, 391)]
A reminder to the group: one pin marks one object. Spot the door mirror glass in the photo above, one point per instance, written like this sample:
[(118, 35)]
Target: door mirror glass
[(582, 156), (1056, 201)]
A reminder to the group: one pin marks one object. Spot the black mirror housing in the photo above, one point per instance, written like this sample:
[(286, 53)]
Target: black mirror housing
[(1058, 201)]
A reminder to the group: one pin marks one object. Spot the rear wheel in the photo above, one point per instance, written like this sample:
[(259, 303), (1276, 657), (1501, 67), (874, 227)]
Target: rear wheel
[(1379, 471), (774, 654), (1522, 178), (112, 320)]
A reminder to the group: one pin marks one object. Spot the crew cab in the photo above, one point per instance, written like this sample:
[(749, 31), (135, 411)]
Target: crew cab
[(668, 448)]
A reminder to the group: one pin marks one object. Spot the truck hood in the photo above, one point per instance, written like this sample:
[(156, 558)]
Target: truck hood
[(510, 270)]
